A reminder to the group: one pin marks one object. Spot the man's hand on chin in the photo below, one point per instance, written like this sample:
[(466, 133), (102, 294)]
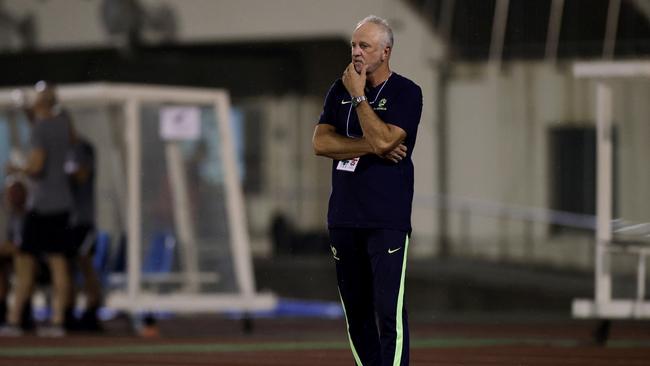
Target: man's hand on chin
[(354, 81)]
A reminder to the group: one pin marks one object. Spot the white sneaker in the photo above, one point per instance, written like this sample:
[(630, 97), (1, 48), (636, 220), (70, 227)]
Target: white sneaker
[(53, 331), (11, 331)]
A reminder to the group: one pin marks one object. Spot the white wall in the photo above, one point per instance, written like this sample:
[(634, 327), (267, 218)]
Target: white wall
[(499, 152)]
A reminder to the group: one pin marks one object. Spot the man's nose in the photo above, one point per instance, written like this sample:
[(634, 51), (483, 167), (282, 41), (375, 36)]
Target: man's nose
[(356, 51)]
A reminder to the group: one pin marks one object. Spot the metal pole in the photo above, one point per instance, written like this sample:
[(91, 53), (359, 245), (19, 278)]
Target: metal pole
[(640, 282), (446, 23), (498, 32), (609, 43), (446, 20), (640, 285), (237, 223), (604, 192), (134, 214), (444, 246), (183, 215), (554, 27)]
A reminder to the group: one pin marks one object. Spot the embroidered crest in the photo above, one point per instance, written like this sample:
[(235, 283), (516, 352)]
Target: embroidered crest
[(381, 106)]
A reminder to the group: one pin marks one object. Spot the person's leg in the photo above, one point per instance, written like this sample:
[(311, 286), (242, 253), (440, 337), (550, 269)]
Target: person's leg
[(92, 291), (25, 264), (75, 240), (6, 269), (82, 249), (61, 287), (69, 320), (92, 286), (4, 288), (25, 269), (27, 319), (85, 255), (355, 288), (57, 247), (388, 252)]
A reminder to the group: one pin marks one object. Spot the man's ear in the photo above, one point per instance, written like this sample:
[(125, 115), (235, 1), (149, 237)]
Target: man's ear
[(385, 54)]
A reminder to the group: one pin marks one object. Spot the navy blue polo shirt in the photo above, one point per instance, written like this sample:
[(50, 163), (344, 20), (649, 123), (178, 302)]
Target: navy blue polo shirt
[(378, 193)]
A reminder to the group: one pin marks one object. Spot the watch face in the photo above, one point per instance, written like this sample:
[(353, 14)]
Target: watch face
[(357, 100)]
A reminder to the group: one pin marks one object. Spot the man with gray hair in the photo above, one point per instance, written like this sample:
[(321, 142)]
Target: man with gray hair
[(368, 128)]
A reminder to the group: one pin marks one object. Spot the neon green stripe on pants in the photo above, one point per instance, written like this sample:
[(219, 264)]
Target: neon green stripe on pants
[(354, 350), (399, 340)]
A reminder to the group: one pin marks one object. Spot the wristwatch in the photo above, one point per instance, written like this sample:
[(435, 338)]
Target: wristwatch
[(357, 100)]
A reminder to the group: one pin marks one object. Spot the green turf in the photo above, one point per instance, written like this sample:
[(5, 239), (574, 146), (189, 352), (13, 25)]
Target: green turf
[(293, 346)]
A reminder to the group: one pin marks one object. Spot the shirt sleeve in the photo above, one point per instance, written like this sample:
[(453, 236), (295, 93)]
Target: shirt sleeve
[(405, 109), (86, 155), (328, 114)]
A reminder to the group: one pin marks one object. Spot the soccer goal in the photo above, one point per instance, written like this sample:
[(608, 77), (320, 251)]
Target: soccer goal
[(169, 194), (613, 237)]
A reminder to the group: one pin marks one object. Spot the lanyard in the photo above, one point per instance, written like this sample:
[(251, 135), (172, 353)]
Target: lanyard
[(347, 122)]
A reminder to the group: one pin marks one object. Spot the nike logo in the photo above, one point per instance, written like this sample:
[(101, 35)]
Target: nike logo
[(346, 101), (334, 253), (391, 251)]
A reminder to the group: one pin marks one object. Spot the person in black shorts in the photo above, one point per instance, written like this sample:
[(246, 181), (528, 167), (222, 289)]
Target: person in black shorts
[(368, 128), (46, 227)]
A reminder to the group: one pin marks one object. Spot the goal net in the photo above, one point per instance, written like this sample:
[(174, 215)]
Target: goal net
[(169, 202)]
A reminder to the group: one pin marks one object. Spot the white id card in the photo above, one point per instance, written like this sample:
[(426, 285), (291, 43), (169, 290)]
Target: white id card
[(348, 165)]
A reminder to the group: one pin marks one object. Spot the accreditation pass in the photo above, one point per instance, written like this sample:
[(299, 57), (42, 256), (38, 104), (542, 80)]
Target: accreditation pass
[(348, 165)]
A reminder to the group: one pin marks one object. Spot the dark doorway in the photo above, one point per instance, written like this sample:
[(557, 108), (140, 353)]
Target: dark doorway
[(572, 167)]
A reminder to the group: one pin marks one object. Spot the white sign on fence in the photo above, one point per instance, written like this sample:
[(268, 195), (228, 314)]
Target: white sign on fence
[(180, 123)]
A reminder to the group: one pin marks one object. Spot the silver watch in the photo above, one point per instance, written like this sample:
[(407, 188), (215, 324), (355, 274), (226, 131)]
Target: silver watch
[(357, 100)]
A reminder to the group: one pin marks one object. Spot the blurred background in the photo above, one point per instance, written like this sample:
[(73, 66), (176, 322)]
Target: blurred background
[(506, 155)]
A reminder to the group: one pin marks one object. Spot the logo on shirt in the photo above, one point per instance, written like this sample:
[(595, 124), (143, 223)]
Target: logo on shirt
[(381, 106)]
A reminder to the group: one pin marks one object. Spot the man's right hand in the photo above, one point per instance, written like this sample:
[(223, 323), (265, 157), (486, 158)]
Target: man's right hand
[(397, 154)]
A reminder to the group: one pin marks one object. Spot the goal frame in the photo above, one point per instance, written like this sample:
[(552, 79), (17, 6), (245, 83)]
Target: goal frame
[(130, 98), (606, 245)]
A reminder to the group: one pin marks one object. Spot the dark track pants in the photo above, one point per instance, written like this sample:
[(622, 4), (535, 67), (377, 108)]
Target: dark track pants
[(370, 269)]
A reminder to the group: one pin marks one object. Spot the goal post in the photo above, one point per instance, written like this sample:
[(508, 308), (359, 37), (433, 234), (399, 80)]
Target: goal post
[(169, 179), (608, 240)]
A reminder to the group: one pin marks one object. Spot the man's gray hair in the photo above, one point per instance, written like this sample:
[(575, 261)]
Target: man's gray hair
[(383, 24)]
